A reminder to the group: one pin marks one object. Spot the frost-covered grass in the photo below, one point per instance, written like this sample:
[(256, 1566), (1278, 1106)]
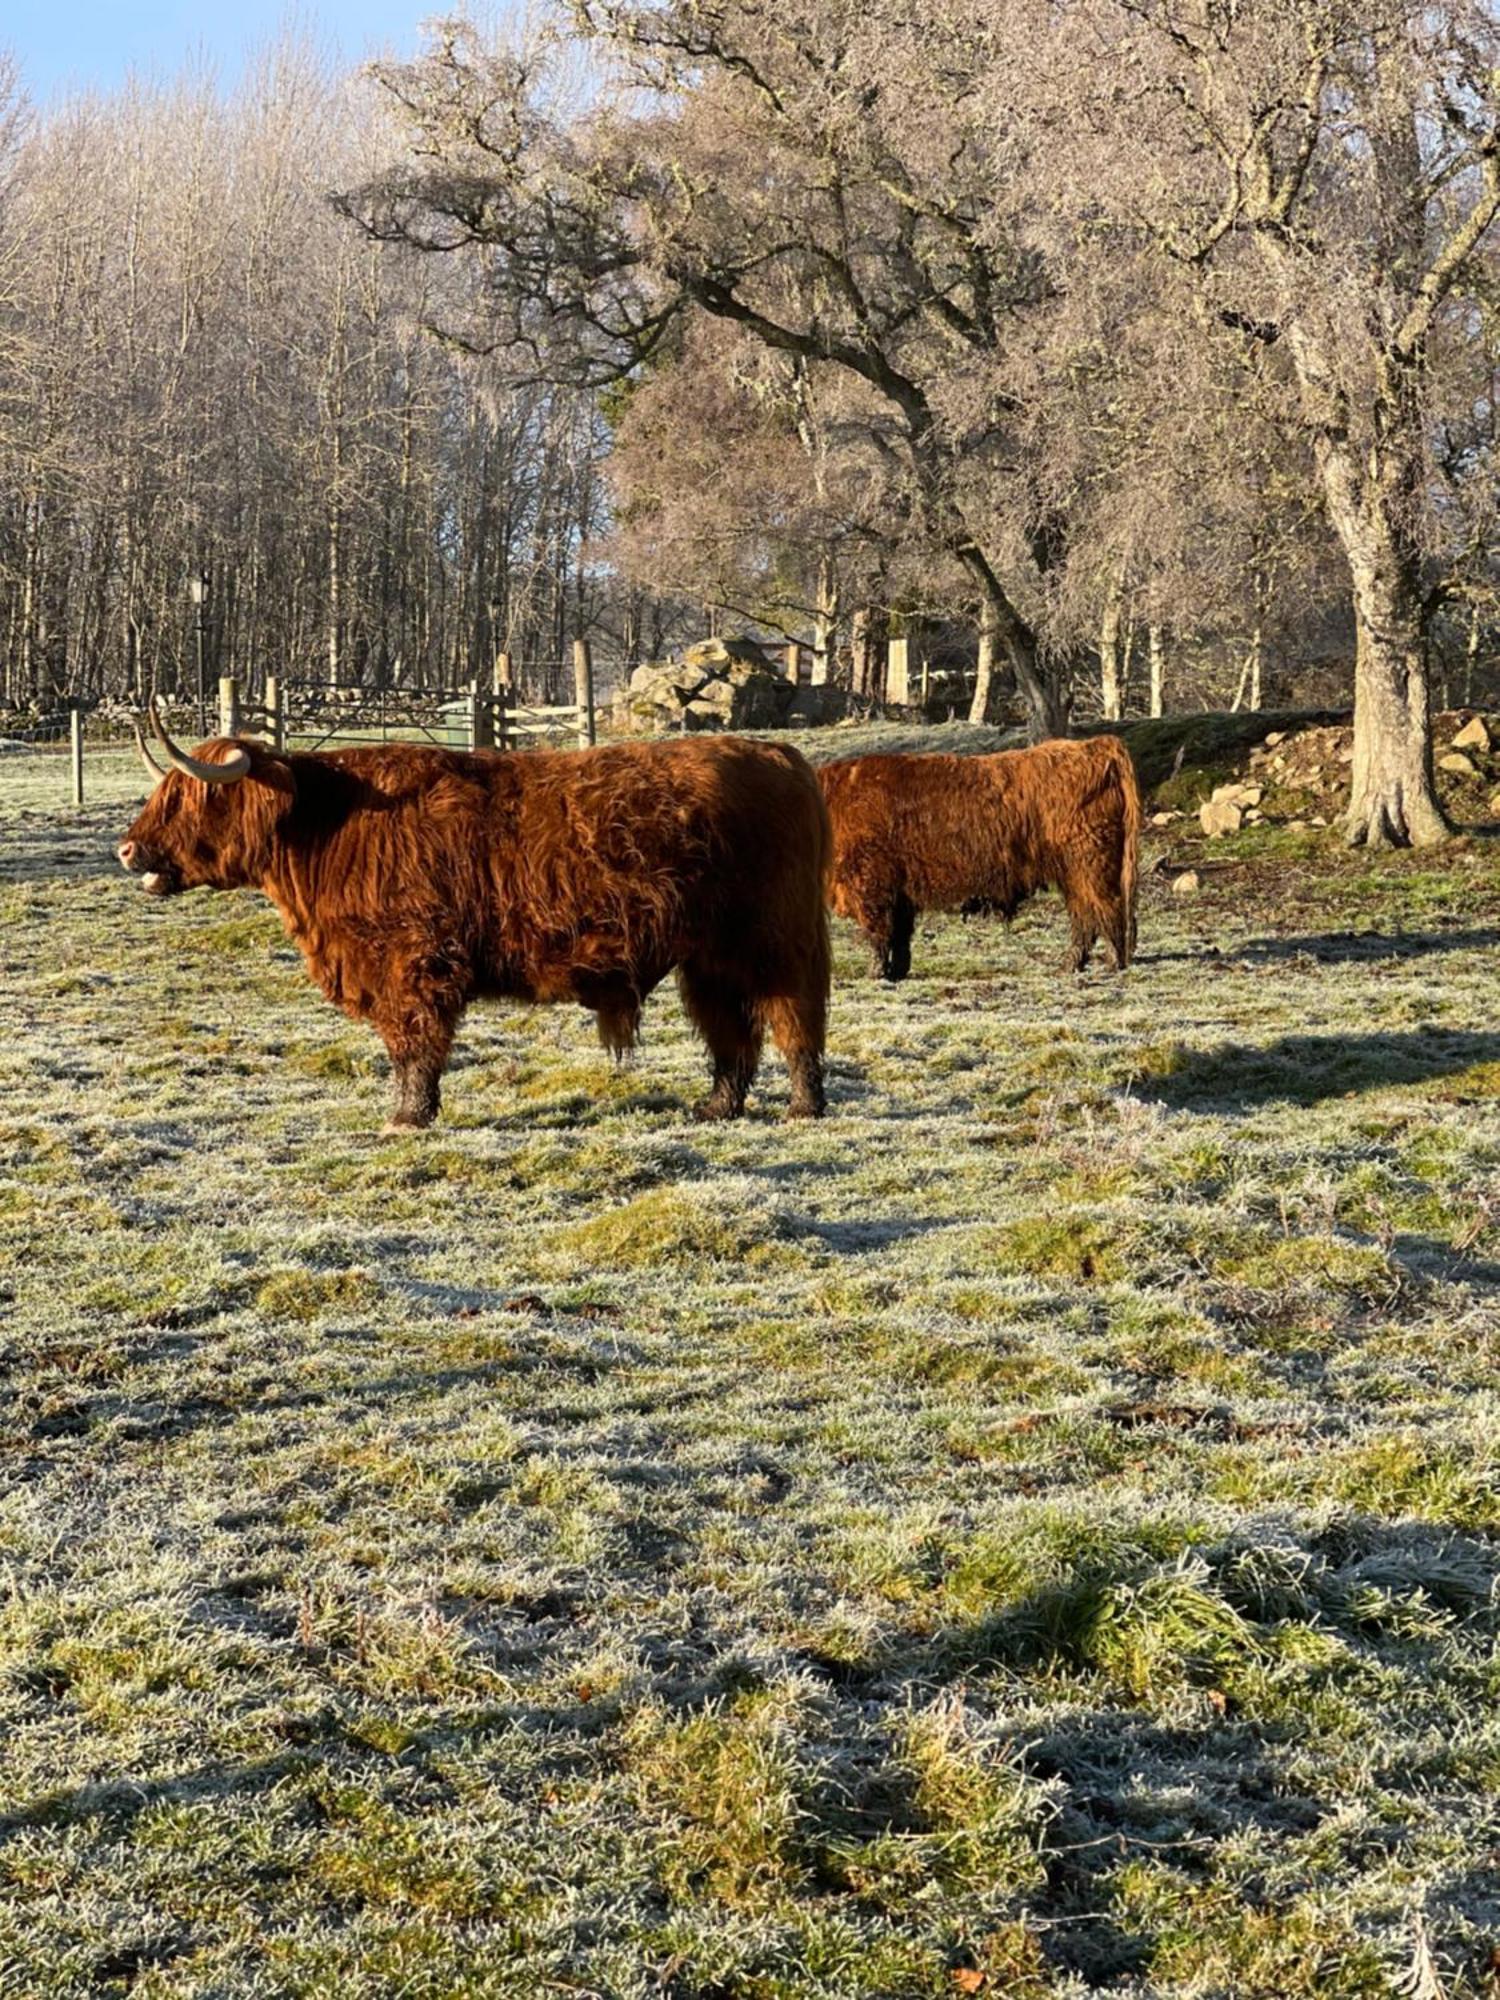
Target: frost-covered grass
[(1033, 1533)]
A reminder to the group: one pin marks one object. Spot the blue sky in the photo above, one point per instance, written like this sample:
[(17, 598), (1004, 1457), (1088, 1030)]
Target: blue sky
[(93, 43)]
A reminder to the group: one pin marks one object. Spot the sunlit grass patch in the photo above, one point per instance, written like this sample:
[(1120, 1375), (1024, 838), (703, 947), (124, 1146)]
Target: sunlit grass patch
[(1271, 1263), (304, 1295), (759, 1560), (695, 1227), (1419, 1478), (1215, 1937), (257, 929), (1087, 1249), (730, 1784), (949, 1808)]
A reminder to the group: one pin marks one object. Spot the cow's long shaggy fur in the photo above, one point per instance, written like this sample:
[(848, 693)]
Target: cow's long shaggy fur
[(416, 880), (919, 831)]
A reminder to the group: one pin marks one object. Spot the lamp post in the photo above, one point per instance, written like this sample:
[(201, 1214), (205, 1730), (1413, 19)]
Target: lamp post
[(198, 591)]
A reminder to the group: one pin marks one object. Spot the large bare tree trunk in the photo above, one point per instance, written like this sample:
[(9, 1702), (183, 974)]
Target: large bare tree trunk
[(1393, 800), (1045, 699), (1158, 657)]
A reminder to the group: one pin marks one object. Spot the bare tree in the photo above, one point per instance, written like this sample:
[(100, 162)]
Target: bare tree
[(833, 192), (1329, 173), (204, 371)]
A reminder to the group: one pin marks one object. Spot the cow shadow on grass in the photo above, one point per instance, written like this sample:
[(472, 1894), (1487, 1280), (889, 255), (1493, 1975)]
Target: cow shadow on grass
[(1368, 947), (1307, 1069)]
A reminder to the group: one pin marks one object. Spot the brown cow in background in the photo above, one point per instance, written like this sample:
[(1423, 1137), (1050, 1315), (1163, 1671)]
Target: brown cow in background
[(980, 834), (416, 880)]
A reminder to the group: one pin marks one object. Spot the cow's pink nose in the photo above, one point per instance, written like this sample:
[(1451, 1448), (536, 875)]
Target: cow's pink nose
[(126, 852)]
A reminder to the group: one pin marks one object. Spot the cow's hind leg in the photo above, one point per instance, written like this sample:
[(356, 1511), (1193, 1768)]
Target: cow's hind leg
[(1121, 933), (898, 950), (728, 1022), (1087, 917), (798, 1023)]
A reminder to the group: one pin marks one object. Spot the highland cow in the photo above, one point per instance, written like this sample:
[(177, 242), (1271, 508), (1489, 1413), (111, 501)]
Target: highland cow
[(980, 835), (416, 880)]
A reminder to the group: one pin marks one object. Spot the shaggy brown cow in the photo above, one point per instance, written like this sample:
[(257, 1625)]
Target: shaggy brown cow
[(981, 834), (416, 880)]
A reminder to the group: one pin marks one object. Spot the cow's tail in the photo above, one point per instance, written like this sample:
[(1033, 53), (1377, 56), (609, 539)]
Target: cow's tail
[(1130, 853), (1113, 771)]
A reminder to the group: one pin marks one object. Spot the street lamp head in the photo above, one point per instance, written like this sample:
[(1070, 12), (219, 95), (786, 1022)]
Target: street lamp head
[(198, 586)]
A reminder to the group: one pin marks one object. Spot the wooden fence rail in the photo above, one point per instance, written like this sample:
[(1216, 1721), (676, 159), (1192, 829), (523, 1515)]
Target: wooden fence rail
[(477, 718)]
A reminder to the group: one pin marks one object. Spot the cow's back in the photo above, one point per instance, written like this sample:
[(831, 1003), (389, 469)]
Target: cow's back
[(920, 824), (647, 853)]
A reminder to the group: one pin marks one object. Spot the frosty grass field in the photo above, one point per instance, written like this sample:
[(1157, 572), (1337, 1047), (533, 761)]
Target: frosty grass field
[(1030, 1534)]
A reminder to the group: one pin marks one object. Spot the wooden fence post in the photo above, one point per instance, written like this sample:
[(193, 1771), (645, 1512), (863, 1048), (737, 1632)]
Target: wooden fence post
[(75, 736), (229, 706), (275, 712), (505, 697), (898, 672), (481, 719), (583, 686)]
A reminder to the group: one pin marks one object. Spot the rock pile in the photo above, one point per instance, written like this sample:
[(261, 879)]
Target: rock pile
[(1302, 778), (717, 684), (1313, 760), (1230, 808)]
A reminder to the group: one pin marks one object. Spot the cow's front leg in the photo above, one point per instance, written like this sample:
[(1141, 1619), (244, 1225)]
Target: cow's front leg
[(418, 1093), (419, 1049), (897, 962)]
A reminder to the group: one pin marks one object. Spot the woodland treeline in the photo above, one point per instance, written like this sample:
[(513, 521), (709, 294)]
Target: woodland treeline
[(1093, 331), (205, 372)]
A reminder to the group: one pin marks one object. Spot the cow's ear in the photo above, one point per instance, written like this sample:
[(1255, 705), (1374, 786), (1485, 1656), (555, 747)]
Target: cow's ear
[(275, 772)]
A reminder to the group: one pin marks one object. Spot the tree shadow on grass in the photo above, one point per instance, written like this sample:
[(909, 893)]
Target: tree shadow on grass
[(1132, 1785), (1307, 1069), (1181, 1788), (1365, 947), (33, 851), (1436, 1257)]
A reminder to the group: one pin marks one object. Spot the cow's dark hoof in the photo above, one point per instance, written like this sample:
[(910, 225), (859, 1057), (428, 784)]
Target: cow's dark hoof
[(714, 1110)]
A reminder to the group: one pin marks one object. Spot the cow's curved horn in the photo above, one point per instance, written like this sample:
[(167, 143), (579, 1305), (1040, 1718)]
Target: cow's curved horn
[(154, 769), (228, 773)]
